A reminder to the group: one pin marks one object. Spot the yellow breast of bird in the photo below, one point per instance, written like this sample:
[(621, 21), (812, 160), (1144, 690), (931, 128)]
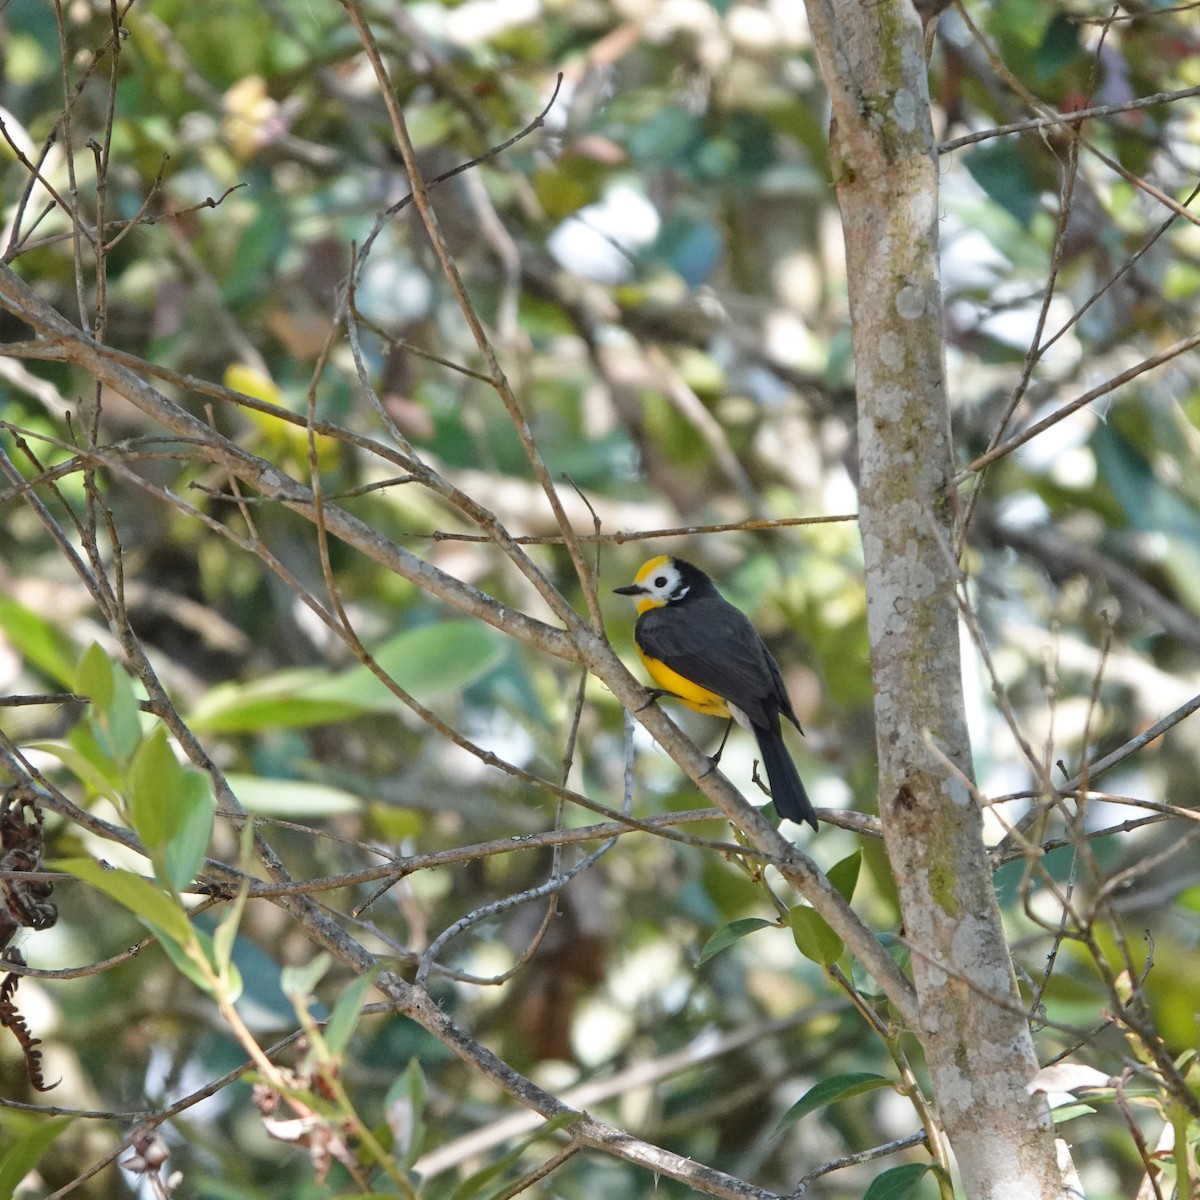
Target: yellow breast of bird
[(692, 694)]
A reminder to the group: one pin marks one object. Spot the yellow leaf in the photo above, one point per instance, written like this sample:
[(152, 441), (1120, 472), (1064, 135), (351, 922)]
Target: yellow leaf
[(289, 439), (253, 383)]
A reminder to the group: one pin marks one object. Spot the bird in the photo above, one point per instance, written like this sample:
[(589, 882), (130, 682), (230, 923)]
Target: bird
[(703, 651)]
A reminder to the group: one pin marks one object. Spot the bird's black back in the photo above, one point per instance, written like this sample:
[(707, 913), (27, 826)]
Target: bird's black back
[(712, 643)]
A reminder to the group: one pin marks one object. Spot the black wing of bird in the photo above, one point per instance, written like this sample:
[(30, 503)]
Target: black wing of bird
[(713, 644)]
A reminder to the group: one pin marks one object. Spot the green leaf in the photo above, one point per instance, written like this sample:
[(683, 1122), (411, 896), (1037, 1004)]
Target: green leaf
[(898, 1183), (118, 728), (1003, 171), (155, 781), (185, 962), (404, 1106), (844, 875), (125, 717), (1059, 48), (233, 982), (431, 124), (298, 982), (485, 1183), (37, 640), (292, 797), (1067, 1112), (114, 715), (225, 934), (80, 762), (829, 1091), (32, 1138), (344, 1018), (728, 934), (194, 808), (162, 914), (197, 962), (814, 939), (429, 661), (564, 188), (283, 700), (94, 677)]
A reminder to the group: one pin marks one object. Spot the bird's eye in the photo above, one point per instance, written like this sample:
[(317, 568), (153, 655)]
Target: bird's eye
[(661, 581)]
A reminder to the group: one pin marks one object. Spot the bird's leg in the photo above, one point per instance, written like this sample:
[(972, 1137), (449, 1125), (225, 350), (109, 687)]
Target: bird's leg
[(716, 758), (655, 695)]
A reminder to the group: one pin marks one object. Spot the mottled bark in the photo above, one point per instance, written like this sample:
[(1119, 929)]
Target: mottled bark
[(979, 1049)]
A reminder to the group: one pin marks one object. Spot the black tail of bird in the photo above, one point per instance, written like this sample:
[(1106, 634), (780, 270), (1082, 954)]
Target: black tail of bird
[(791, 800)]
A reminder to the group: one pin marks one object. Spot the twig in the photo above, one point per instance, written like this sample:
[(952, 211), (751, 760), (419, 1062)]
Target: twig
[(700, 1050), (863, 1156), (1139, 1141), (1119, 380), (1071, 118), (750, 525), (539, 1172), (1093, 770), (1036, 349), (497, 376), (504, 904)]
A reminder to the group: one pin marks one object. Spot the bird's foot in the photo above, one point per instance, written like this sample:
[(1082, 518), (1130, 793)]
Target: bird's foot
[(655, 695), (716, 758)]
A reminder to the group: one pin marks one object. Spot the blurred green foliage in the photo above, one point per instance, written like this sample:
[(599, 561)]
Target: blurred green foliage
[(660, 270)]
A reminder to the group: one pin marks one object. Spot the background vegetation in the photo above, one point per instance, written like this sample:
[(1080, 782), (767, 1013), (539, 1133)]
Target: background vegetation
[(216, 192)]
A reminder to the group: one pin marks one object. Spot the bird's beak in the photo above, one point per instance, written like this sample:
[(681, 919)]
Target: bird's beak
[(634, 589)]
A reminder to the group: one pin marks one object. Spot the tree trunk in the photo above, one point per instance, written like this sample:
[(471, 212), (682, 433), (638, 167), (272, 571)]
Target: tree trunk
[(979, 1049)]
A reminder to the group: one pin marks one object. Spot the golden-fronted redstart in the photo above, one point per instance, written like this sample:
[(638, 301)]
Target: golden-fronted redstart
[(704, 652)]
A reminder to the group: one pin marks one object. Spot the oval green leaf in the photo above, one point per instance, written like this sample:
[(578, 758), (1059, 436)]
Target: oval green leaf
[(190, 960), (428, 662), (155, 781), (829, 1091), (844, 875), (814, 939), (193, 809), (299, 981), (224, 937), (728, 934), (404, 1107), (37, 640), (81, 763), (119, 727), (94, 677), (282, 700), (344, 1018), (32, 1137), (296, 798), (898, 1183), (161, 914)]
